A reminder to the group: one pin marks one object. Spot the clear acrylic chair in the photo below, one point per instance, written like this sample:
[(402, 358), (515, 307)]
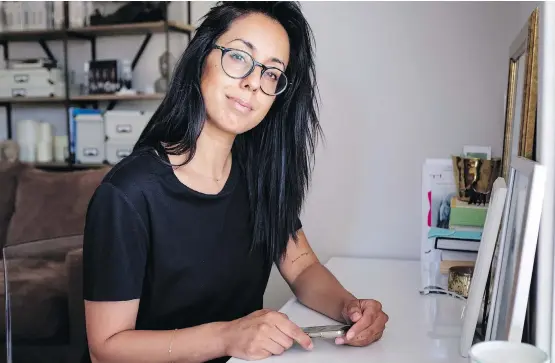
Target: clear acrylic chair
[(36, 300)]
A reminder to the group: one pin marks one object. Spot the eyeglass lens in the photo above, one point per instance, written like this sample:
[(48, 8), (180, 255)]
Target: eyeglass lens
[(237, 64)]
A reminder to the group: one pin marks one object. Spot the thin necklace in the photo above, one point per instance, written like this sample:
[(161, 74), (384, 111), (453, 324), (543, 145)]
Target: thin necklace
[(209, 177)]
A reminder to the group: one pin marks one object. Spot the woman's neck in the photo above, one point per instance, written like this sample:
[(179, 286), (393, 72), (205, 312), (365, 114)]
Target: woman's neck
[(213, 153)]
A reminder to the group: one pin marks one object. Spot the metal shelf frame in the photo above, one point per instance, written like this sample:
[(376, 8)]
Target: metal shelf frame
[(90, 34)]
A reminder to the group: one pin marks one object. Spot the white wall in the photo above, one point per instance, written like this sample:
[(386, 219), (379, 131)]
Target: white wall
[(399, 82)]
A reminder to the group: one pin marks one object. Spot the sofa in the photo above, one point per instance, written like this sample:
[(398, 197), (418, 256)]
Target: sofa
[(42, 216)]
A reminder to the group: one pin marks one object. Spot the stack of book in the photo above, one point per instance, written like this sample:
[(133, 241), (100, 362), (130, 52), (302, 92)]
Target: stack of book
[(451, 227), (459, 243)]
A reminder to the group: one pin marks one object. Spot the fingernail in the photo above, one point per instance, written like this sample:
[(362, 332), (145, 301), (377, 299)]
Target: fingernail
[(339, 341), (356, 316), (350, 335), (311, 346)]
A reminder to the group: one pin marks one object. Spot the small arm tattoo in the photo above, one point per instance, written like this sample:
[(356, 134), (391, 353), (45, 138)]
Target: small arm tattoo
[(302, 254)]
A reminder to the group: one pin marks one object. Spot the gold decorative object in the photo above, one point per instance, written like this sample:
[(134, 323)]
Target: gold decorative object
[(459, 279), (474, 178), (522, 93)]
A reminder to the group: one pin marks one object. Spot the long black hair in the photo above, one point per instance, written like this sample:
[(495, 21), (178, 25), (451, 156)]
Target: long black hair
[(277, 155)]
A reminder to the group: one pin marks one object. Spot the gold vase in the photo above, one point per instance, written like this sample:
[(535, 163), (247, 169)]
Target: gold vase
[(474, 178)]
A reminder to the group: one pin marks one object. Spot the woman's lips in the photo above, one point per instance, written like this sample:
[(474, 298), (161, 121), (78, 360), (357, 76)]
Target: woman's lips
[(240, 104)]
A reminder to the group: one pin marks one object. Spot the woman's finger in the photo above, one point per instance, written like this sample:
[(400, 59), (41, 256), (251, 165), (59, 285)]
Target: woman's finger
[(361, 325), (273, 347), (281, 338)]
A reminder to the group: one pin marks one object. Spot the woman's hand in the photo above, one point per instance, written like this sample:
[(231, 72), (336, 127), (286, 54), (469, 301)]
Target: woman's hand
[(262, 334), (369, 322)]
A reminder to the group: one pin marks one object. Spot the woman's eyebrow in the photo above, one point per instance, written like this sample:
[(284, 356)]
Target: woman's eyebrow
[(253, 48)]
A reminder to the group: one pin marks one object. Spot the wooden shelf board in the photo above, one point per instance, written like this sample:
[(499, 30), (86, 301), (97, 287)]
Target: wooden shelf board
[(96, 30), (116, 97), (132, 29), (66, 165), (31, 35), (90, 166), (32, 100), (84, 98)]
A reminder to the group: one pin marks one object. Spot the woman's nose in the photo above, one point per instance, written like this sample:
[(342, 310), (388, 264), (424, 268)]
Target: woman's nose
[(252, 81)]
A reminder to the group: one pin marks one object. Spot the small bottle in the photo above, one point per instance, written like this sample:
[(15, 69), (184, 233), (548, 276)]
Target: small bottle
[(85, 88), (126, 74)]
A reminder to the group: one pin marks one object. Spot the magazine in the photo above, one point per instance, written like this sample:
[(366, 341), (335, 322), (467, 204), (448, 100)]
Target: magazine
[(438, 187)]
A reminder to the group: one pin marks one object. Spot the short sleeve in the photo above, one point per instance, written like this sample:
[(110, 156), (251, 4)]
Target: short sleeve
[(114, 247)]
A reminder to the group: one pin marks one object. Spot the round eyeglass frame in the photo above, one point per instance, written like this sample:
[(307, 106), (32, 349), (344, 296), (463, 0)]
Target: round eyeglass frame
[(254, 64)]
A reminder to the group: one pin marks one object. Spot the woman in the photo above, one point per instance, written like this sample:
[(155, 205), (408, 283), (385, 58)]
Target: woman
[(181, 235)]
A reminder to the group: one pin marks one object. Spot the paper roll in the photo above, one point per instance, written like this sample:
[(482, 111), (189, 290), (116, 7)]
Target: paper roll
[(27, 132), (60, 148), (45, 132), (44, 152), (27, 153)]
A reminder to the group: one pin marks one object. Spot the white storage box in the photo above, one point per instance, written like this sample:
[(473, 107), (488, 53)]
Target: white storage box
[(126, 125), (32, 82), (36, 77), (117, 150), (89, 140), (14, 92)]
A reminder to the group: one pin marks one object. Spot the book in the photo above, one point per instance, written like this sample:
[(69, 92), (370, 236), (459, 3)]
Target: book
[(438, 187), (454, 244), (464, 214), (436, 232)]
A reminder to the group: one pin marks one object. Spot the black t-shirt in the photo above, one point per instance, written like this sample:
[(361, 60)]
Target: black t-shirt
[(185, 254)]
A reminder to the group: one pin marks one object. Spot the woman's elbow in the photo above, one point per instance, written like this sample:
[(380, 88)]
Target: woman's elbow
[(100, 353)]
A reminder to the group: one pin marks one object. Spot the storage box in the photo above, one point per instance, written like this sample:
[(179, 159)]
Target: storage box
[(31, 82), (50, 91), (117, 150), (37, 77), (126, 126), (89, 140)]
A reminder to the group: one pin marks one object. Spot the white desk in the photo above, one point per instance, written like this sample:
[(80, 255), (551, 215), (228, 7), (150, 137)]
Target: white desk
[(421, 329)]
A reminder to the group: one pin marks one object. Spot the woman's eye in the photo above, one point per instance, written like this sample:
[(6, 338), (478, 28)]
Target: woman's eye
[(237, 56), (271, 75)]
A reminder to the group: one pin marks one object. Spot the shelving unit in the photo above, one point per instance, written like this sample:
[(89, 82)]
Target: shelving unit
[(90, 34)]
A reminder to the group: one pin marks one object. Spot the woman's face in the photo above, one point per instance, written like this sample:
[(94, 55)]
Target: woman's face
[(238, 105)]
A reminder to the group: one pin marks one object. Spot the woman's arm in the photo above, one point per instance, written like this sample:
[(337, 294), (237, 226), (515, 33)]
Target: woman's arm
[(312, 283), (112, 337), (318, 289)]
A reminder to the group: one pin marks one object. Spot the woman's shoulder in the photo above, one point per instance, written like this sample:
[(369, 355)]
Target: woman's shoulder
[(136, 172)]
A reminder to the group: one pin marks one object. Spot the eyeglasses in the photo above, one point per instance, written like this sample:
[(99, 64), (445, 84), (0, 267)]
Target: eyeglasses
[(239, 64)]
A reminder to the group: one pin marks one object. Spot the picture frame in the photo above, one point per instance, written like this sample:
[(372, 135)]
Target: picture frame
[(517, 245), (474, 302), (522, 94), (542, 305)]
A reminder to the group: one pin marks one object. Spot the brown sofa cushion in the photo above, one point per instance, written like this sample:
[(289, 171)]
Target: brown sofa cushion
[(9, 173), (51, 204)]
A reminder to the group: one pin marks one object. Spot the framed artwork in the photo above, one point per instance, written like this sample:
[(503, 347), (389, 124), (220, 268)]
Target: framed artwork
[(483, 262), (519, 141), (522, 94), (517, 244)]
